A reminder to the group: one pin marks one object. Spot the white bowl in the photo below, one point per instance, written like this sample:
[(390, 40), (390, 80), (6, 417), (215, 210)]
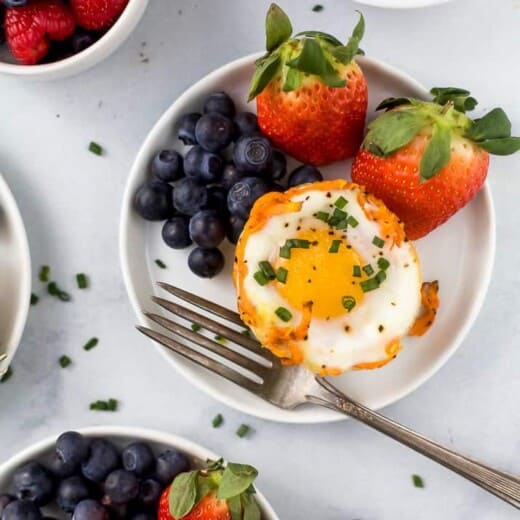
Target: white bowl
[(120, 436), (15, 276), (97, 52)]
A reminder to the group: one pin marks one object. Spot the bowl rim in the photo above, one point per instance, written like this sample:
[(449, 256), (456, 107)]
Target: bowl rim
[(137, 433), (132, 12)]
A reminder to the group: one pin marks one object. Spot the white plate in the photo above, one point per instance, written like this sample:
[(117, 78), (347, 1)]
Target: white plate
[(402, 4), (120, 436), (15, 276), (459, 254)]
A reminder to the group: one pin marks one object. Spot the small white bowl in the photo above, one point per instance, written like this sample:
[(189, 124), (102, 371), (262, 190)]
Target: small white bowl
[(120, 436), (97, 52)]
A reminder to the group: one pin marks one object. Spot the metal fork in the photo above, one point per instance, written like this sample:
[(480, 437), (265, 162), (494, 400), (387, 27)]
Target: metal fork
[(258, 371)]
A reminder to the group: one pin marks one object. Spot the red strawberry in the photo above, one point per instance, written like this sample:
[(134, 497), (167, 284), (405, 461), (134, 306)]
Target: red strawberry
[(209, 508), (426, 160), (29, 28), (96, 15), (311, 95)]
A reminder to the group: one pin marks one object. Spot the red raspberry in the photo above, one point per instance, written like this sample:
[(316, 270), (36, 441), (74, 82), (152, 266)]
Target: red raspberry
[(28, 29), (95, 15)]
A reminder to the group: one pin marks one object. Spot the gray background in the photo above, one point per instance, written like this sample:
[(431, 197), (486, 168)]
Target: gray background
[(70, 200)]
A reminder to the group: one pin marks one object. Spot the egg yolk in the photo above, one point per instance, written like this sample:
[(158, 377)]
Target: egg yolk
[(321, 276)]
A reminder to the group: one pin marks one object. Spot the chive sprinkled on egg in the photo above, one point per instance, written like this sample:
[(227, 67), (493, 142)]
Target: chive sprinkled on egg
[(369, 270), (281, 274), (383, 263), (283, 313), (261, 278), (334, 247), (267, 269), (349, 302), (356, 271), (322, 215), (378, 241), (341, 202)]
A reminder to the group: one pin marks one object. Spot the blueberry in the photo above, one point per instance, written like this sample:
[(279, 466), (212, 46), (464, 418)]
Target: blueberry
[(103, 459), (207, 228), (150, 492), (4, 500), (214, 132), (252, 154), (61, 469), (72, 448), (206, 263), (203, 166), (81, 40), (71, 492), (221, 103), (217, 199), (90, 510), (138, 458), (34, 482), (153, 201), (304, 174), (121, 486), (234, 229), (231, 175), (171, 462), (243, 195), (167, 165), (189, 197), (15, 3), (21, 510), (246, 124), (175, 234), (278, 166), (186, 128)]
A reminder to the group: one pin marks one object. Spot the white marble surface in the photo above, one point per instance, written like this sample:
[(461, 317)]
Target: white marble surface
[(70, 200)]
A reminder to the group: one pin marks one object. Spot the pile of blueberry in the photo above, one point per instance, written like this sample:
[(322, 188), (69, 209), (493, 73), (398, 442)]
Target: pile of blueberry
[(90, 479), (207, 195)]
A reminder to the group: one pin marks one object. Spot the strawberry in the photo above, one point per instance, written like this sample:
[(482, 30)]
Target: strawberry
[(28, 29), (428, 159), (213, 493), (311, 95), (96, 15)]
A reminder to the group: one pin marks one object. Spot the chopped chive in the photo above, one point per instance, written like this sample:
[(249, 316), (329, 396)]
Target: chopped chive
[(317, 8), (267, 269), (112, 405), (7, 375), (90, 344), (52, 288), (283, 313), (220, 339), (217, 420), (417, 481), (348, 302), (261, 278), (378, 242), (104, 406), (160, 263), (195, 327), (34, 299), (281, 274), (369, 285), (63, 296), (339, 214), (82, 280), (383, 263), (342, 224), (341, 202), (65, 361), (368, 270), (322, 215), (380, 277), (298, 243), (352, 222), (95, 148), (243, 430), (334, 247), (45, 271), (285, 251), (334, 221), (356, 271)]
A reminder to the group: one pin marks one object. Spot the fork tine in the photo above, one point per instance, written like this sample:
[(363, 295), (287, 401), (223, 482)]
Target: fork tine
[(235, 357), (207, 323), (202, 360), (202, 303)]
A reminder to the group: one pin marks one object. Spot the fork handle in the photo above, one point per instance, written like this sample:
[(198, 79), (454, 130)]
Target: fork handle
[(504, 486)]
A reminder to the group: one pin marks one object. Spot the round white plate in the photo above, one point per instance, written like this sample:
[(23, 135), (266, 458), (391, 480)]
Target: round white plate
[(120, 436), (459, 255), (402, 4), (15, 276)]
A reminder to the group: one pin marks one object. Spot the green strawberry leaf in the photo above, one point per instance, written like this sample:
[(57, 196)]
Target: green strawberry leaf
[(278, 28), (322, 36), (183, 494), (494, 125), (251, 509), (392, 130), (235, 507), (263, 75), (502, 146), (345, 54), (393, 102), (235, 480), (437, 153), (292, 81), (461, 99)]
